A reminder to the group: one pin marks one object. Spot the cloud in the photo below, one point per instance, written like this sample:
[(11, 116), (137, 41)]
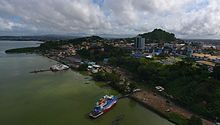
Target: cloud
[(56, 15), (8, 25), (186, 18)]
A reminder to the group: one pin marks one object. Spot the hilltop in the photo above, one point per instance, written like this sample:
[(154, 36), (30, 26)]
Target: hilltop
[(159, 35)]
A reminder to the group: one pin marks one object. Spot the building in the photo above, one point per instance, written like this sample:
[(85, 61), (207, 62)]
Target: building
[(189, 52), (139, 43)]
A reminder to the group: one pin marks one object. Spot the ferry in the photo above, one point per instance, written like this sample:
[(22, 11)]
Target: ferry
[(103, 105)]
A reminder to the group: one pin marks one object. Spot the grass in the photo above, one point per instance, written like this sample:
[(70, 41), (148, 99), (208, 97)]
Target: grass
[(218, 91), (178, 119), (102, 84), (112, 92), (85, 73)]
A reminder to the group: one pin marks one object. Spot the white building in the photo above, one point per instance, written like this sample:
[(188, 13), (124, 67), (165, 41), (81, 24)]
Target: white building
[(140, 43)]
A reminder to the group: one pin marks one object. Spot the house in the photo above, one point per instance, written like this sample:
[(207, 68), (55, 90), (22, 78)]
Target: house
[(149, 56), (159, 88), (105, 60), (137, 55), (94, 68)]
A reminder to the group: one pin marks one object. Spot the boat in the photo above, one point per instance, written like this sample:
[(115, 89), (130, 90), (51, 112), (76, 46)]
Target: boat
[(59, 67), (103, 105)]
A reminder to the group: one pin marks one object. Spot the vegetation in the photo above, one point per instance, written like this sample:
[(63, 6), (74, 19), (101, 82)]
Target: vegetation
[(216, 72), (97, 54), (23, 50), (194, 121), (49, 45), (83, 67), (179, 120), (159, 35), (113, 79), (188, 85), (106, 77)]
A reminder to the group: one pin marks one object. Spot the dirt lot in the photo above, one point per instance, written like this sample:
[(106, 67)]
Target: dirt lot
[(163, 106)]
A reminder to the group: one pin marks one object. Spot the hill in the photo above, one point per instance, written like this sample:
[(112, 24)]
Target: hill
[(159, 35)]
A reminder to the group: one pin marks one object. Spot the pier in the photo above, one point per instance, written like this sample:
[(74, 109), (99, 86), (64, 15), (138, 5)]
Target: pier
[(41, 70), (128, 95), (124, 96)]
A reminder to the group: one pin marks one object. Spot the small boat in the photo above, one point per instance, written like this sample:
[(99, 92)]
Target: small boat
[(59, 67), (103, 106)]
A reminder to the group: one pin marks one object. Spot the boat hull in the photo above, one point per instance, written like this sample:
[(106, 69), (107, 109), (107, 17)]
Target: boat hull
[(94, 116)]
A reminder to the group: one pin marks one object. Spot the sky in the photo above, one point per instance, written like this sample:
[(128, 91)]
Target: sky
[(185, 18)]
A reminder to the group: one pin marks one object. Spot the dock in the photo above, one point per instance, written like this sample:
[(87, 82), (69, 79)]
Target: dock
[(128, 95), (124, 96), (41, 70)]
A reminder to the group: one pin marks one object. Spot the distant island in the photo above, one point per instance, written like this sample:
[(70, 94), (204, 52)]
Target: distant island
[(38, 38), (181, 75)]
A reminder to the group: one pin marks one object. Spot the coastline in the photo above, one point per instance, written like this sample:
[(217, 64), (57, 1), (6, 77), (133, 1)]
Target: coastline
[(159, 105), (144, 99), (155, 107)]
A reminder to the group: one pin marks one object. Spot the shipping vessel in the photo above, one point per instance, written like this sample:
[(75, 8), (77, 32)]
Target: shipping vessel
[(103, 105)]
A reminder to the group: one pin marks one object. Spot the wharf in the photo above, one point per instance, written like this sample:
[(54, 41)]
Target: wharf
[(41, 70)]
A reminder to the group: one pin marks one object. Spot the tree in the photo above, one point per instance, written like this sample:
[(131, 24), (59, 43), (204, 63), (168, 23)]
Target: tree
[(83, 67), (158, 34), (112, 77), (216, 72), (194, 120)]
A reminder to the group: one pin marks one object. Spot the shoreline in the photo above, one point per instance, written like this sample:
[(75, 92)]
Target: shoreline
[(152, 109), (155, 107), (159, 105)]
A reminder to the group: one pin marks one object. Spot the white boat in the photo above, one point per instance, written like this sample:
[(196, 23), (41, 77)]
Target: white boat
[(59, 67)]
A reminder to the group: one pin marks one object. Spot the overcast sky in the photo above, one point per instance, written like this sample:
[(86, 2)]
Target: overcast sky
[(185, 18)]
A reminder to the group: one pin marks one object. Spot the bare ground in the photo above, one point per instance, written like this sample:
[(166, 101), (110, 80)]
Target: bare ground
[(163, 106)]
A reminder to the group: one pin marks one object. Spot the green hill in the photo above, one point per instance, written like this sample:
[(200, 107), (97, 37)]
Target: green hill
[(159, 35)]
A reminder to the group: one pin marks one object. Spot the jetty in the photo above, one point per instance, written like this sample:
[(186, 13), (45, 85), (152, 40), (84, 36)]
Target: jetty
[(41, 70), (130, 94)]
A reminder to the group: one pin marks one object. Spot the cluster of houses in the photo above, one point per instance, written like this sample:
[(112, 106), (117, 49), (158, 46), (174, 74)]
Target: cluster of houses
[(206, 57), (207, 60), (148, 50), (176, 49), (75, 62), (139, 48), (62, 52)]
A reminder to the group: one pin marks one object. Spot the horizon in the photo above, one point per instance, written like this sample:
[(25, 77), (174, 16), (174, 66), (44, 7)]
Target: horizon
[(187, 19), (102, 36)]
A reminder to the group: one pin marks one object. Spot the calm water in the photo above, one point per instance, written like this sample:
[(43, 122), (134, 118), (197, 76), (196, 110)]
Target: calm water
[(60, 98)]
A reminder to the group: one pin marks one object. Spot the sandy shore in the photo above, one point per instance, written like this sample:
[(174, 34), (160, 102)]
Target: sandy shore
[(162, 106)]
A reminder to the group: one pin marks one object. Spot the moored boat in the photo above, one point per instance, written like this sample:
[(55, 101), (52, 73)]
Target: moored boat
[(103, 105), (59, 67)]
